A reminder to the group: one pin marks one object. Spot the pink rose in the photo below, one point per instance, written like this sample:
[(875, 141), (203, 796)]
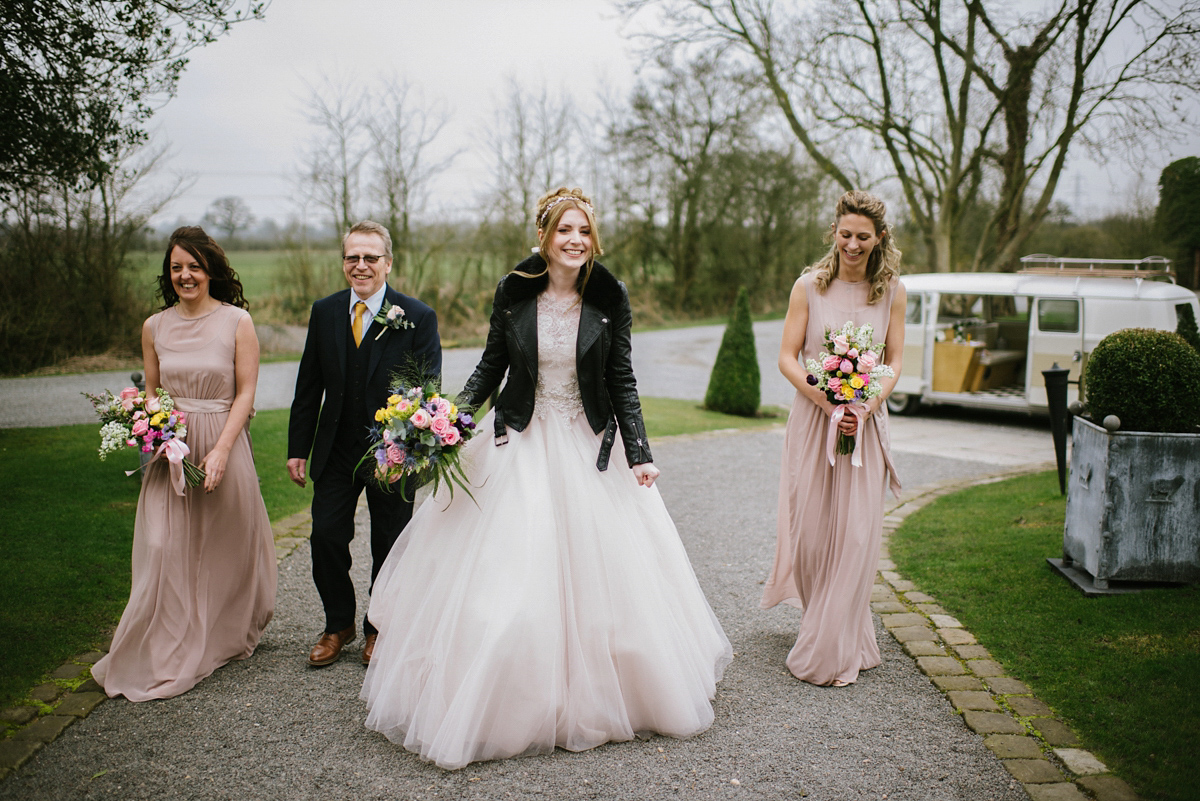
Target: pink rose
[(153, 405), (140, 427), (421, 418), (840, 345), (867, 361), (127, 404), (835, 384), (852, 353), (395, 454), (129, 393), (831, 363), (846, 366), (440, 426), (394, 477), (451, 437), (132, 443)]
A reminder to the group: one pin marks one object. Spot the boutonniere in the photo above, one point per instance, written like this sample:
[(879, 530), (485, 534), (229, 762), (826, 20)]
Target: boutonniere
[(392, 316)]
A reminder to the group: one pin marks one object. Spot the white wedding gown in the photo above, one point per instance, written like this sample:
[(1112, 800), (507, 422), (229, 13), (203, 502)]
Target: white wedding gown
[(558, 609)]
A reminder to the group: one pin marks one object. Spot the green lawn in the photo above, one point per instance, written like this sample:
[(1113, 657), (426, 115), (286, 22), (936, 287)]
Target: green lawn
[(1122, 670), (69, 528)]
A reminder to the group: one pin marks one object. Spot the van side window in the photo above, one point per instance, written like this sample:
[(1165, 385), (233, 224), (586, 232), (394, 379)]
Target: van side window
[(912, 314), (1058, 315)]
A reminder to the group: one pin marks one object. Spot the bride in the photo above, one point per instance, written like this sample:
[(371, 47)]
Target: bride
[(559, 608)]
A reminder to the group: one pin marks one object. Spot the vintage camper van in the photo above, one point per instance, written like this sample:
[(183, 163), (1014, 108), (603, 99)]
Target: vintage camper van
[(983, 339)]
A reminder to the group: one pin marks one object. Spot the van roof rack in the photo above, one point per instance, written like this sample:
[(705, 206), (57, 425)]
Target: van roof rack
[(1152, 267)]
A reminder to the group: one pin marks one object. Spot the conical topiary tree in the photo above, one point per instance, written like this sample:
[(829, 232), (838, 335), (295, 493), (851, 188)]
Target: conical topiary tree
[(734, 387), (1186, 327)]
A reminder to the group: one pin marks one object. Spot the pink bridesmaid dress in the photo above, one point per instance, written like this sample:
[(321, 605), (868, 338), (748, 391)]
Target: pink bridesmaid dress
[(830, 520), (203, 564)]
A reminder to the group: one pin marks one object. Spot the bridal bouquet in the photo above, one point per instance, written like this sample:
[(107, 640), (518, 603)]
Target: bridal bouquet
[(850, 371), (133, 420), (420, 433)]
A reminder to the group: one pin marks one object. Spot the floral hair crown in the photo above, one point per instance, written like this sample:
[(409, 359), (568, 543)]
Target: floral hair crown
[(546, 212)]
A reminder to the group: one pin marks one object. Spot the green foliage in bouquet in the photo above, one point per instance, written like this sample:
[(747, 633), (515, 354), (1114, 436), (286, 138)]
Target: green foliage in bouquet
[(1150, 379), (734, 387), (1186, 327)]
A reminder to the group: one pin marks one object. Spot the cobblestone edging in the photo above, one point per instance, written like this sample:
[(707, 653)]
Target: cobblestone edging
[(1038, 749), (71, 693)]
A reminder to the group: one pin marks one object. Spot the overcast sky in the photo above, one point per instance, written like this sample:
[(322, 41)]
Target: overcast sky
[(237, 124)]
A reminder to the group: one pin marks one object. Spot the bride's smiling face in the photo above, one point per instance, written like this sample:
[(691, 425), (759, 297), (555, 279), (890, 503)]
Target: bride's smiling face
[(570, 243)]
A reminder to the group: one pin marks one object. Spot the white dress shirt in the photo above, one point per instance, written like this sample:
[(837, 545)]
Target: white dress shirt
[(374, 304)]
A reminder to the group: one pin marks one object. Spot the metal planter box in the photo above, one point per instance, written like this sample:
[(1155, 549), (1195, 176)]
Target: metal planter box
[(1133, 505)]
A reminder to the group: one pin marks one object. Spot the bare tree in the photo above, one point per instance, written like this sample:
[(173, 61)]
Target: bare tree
[(678, 128), (229, 215), (401, 130), (969, 102), (331, 167), (529, 142)]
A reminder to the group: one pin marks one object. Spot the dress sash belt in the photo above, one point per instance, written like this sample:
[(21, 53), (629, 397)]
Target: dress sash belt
[(203, 405)]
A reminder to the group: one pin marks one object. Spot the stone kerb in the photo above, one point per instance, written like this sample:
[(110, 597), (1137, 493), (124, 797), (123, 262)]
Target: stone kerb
[(1038, 749)]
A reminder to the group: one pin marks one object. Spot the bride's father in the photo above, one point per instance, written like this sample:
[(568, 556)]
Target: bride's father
[(355, 341)]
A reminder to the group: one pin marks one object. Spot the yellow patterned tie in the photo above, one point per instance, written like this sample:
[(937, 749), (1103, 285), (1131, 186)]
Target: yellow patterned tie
[(360, 309)]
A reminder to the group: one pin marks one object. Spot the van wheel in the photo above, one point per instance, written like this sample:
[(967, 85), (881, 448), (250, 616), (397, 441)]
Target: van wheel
[(903, 403)]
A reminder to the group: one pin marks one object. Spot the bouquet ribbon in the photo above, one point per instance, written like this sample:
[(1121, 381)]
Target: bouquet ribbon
[(176, 450), (860, 413)]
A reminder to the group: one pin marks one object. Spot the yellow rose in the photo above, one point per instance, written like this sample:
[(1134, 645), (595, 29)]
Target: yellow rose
[(158, 419), (381, 415), (394, 399), (847, 392), (453, 411), (856, 381)]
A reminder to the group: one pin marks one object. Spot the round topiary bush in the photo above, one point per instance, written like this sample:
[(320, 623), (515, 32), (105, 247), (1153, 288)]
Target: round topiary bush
[(1148, 378), (734, 387)]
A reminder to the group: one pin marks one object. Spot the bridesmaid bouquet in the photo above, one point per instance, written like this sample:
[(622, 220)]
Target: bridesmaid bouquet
[(850, 371), (132, 420), (420, 433)]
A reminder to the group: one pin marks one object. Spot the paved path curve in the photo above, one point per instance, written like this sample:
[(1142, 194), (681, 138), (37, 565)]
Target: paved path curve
[(272, 728)]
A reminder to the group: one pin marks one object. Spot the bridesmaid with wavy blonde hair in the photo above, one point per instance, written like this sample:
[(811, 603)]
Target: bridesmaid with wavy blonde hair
[(830, 520)]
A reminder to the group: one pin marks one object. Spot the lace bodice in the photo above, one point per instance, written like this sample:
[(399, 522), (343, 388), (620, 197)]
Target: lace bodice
[(557, 382)]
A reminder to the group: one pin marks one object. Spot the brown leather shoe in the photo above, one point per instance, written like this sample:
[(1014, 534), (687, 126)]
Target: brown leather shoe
[(329, 648), (369, 648)]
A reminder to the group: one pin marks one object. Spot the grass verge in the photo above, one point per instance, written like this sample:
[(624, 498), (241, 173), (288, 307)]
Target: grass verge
[(69, 529), (1121, 670)]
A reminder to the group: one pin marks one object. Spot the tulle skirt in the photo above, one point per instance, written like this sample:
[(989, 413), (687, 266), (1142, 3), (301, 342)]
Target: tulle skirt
[(557, 608)]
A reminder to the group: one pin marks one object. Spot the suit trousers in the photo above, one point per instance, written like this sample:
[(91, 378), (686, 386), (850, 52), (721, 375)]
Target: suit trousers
[(335, 497)]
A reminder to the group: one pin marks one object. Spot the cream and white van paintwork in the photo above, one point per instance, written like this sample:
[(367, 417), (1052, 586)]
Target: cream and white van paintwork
[(1097, 306)]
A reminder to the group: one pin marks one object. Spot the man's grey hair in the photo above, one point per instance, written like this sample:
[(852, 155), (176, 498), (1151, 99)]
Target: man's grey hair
[(370, 227)]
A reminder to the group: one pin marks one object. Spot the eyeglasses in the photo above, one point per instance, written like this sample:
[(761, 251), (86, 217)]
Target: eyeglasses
[(350, 261)]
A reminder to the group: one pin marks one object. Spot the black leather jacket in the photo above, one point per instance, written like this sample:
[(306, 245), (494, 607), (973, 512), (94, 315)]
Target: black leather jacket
[(603, 360)]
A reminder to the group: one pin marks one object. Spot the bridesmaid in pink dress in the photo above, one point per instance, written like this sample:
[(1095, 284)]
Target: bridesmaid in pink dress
[(204, 561), (831, 516)]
